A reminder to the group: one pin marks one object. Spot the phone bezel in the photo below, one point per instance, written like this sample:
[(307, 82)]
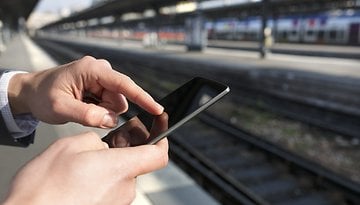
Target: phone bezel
[(194, 113)]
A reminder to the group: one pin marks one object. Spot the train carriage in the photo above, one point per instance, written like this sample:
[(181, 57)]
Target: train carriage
[(335, 27), (340, 27)]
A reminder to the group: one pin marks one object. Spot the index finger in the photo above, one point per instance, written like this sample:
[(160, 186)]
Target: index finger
[(120, 83)]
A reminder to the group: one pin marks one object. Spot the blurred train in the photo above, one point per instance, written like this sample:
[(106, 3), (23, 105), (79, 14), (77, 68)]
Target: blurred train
[(334, 27)]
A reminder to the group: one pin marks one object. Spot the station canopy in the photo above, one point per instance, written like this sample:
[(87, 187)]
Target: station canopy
[(16, 8), (117, 8)]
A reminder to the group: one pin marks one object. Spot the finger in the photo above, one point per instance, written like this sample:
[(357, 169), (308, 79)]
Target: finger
[(141, 159), (87, 114), (160, 125), (120, 83), (120, 139), (114, 101), (132, 133), (138, 132)]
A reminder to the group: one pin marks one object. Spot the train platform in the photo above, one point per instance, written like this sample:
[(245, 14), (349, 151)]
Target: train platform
[(167, 186), (337, 51), (236, 59)]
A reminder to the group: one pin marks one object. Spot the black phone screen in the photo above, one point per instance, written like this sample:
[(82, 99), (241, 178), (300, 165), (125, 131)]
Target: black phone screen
[(179, 107)]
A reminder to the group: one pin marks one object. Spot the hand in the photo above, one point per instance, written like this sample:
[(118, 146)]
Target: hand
[(83, 170), (56, 95)]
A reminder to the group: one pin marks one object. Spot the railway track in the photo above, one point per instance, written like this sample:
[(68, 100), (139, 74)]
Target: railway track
[(240, 168), (252, 170)]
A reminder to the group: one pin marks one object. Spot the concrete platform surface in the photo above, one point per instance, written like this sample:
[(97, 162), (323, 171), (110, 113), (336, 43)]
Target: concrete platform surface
[(235, 58)]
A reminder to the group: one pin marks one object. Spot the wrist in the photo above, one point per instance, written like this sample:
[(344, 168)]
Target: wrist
[(18, 92)]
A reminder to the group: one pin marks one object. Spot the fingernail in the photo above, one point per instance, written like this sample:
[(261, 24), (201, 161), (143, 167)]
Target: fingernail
[(109, 120), (160, 107)]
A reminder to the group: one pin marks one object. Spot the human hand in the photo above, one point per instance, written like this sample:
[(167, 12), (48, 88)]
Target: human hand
[(56, 95), (83, 170)]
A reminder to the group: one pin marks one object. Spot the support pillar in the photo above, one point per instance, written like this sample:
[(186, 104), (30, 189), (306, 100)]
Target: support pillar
[(196, 36), (265, 32)]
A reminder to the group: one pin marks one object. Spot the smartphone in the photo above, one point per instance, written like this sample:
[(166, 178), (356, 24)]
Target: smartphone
[(180, 106)]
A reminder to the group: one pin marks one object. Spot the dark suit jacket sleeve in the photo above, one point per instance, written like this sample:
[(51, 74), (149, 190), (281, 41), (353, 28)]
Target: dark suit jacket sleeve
[(7, 139), (5, 135)]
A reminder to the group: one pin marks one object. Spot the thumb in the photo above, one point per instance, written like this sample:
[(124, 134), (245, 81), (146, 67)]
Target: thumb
[(138, 160), (88, 114)]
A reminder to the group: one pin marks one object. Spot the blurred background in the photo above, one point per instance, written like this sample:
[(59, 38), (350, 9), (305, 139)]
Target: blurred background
[(289, 131)]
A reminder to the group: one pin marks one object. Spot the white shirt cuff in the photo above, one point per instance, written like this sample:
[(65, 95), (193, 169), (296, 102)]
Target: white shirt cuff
[(18, 125)]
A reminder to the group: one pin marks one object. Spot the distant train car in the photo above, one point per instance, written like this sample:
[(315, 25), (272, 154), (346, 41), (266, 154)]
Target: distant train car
[(287, 29), (224, 29), (336, 27), (172, 34), (342, 28)]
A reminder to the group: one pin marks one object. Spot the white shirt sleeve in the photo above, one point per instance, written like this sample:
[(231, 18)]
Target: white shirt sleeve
[(18, 125)]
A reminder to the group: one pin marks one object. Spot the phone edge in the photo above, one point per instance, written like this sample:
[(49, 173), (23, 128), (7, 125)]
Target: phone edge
[(187, 118)]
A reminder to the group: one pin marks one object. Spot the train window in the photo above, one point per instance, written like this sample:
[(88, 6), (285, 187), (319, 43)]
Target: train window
[(282, 35), (240, 35), (321, 34), (294, 32), (310, 33), (341, 35), (332, 34), (285, 35), (251, 35)]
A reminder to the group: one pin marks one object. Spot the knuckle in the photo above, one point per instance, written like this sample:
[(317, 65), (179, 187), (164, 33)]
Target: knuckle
[(125, 78), (164, 153), (93, 138), (136, 98), (128, 78), (125, 81), (92, 135), (87, 59), (85, 62), (163, 157), (104, 63), (56, 106), (165, 160), (64, 143)]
